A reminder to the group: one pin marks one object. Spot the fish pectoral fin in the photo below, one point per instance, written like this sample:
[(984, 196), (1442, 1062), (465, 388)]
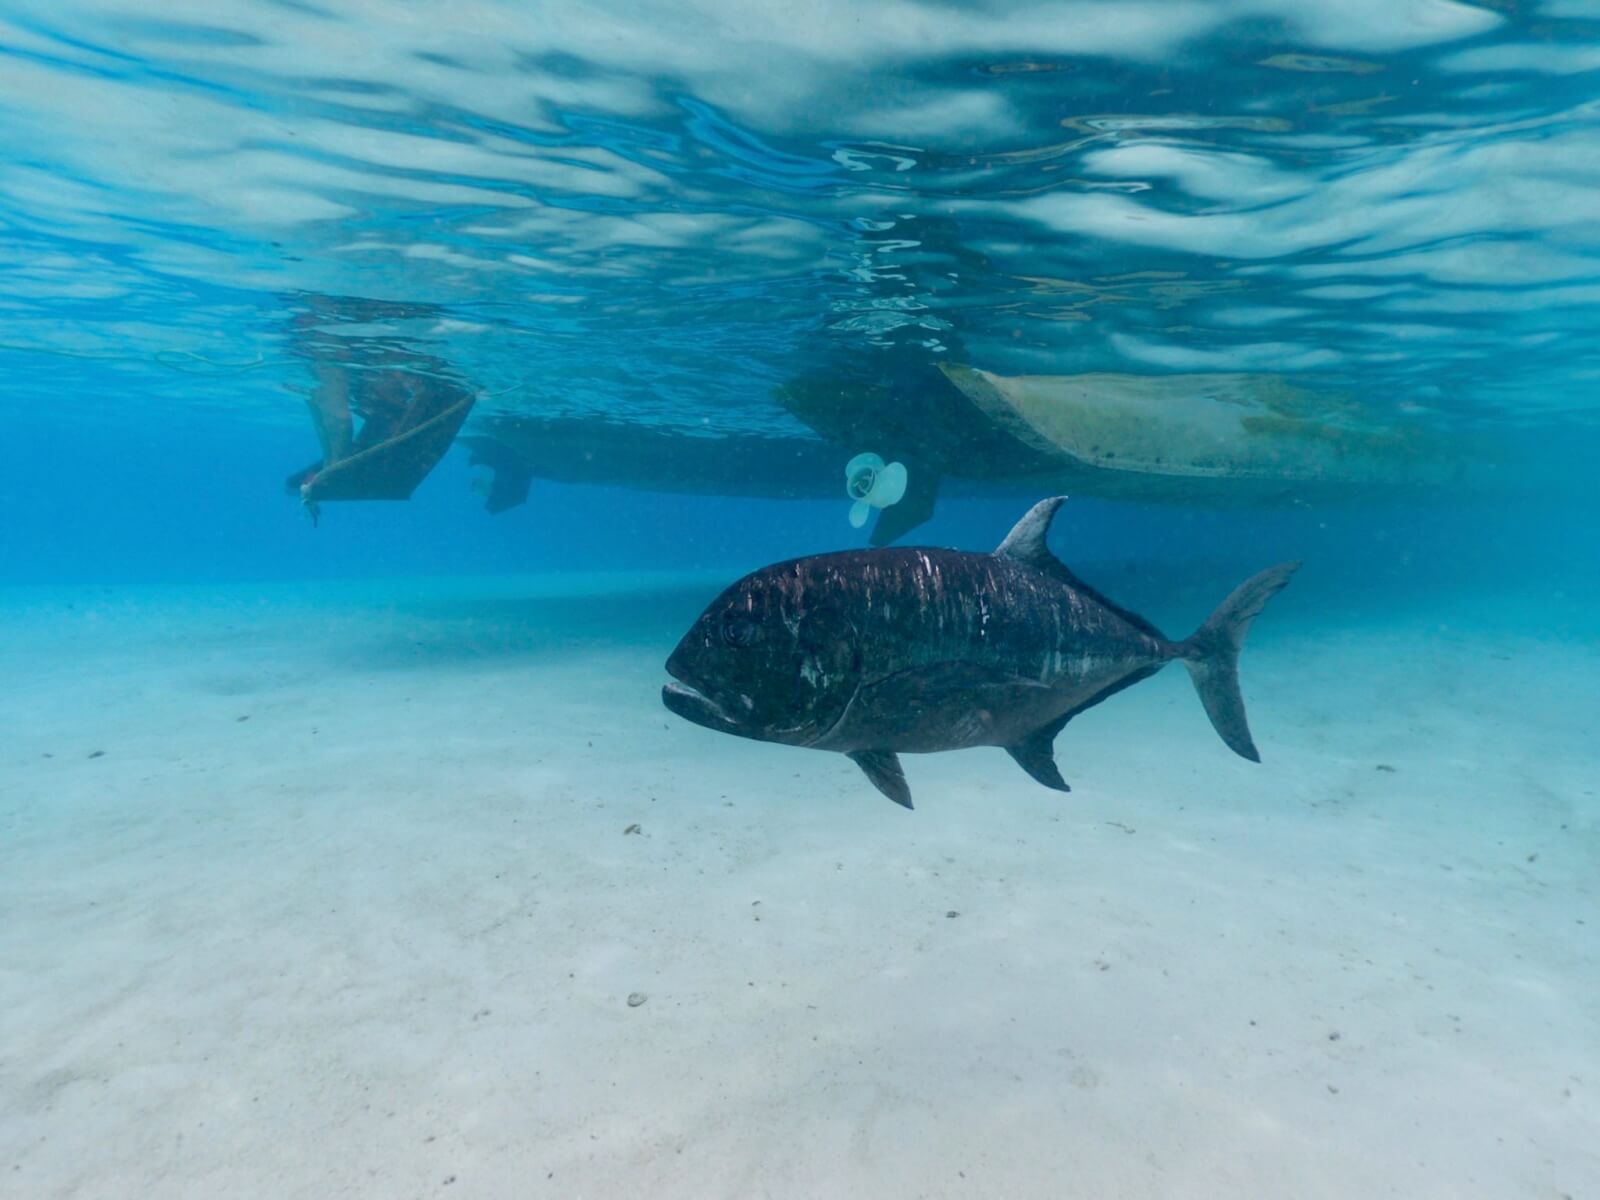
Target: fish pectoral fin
[(883, 768), (1036, 754)]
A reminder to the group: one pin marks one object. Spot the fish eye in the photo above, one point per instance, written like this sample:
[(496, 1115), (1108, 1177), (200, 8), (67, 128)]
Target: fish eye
[(738, 630)]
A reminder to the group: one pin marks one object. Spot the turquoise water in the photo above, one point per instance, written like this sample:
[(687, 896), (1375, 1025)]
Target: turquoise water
[(313, 876)]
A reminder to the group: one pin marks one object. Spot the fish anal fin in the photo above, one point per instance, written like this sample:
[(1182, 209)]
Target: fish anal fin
[(1036, 755), (883, 768)]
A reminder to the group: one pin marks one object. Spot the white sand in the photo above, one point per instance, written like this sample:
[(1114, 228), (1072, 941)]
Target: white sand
[(377, 940)]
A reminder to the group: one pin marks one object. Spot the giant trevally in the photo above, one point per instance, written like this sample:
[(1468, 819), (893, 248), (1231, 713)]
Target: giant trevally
[(874, 653)]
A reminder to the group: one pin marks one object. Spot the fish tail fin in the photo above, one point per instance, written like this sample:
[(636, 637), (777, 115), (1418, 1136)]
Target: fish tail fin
[(1212, 655)]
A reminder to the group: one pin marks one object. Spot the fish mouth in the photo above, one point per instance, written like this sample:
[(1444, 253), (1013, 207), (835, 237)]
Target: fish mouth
[(693, 705)]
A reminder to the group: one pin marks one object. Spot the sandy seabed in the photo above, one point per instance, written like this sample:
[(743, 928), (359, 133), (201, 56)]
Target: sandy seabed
[(311, 892)]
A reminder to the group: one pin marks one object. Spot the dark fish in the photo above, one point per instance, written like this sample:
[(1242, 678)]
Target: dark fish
[(877, 652)]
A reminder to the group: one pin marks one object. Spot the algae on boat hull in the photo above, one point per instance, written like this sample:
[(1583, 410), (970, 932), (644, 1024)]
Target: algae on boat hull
[(1225, 427)]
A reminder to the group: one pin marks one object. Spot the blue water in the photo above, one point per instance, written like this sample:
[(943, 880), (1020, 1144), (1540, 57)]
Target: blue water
[(655, 217)]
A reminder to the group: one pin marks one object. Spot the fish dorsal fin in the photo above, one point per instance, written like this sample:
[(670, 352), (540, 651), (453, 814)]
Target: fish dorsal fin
[(1026, 544), (1026, 541)]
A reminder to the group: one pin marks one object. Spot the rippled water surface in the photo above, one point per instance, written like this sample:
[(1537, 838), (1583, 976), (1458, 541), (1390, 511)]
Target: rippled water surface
[(660, 211)]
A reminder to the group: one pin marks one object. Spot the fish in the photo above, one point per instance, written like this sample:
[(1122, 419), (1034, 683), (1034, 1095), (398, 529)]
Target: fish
[(875, 653)]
